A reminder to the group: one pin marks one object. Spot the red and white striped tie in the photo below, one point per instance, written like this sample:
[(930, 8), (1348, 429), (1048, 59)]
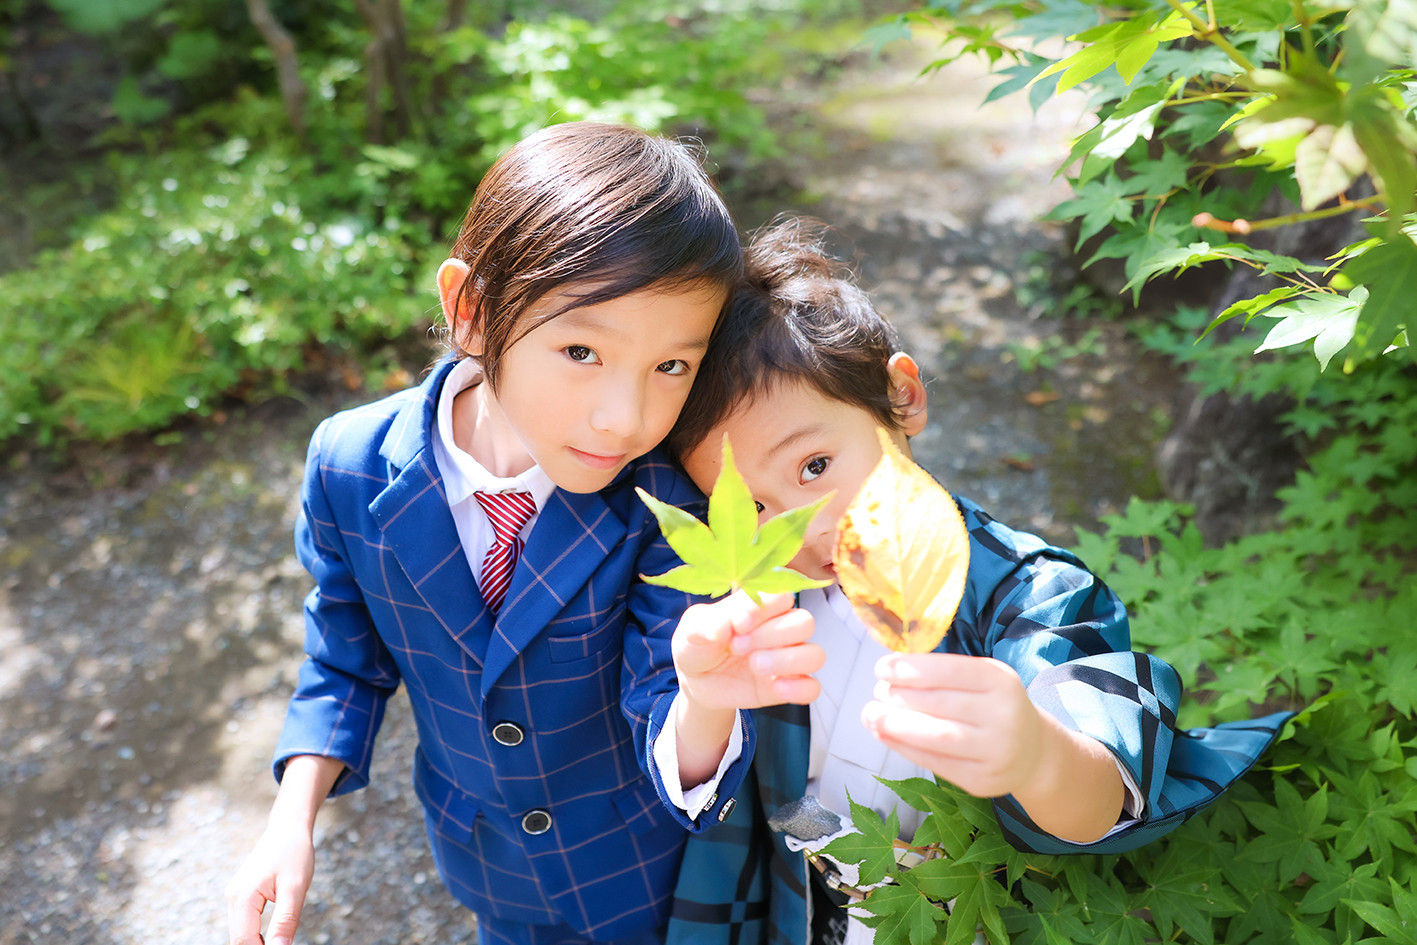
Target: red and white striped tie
[(508, 512)]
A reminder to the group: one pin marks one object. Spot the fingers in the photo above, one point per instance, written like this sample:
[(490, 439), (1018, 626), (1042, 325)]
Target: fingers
[(714, 625), (944, 671), (798, 660), (243, 916), (983, 698), (899, 725), (942, 746), (745, 616), (790, 628), (290, 899), (987, 744), (781, 646), (799, 690), (961, 708)]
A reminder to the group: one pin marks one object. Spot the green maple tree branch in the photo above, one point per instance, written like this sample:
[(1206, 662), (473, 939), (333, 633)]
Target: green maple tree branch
[(1211, 33)]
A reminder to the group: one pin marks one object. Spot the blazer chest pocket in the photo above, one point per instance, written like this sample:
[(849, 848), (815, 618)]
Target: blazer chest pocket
[(586, 636)]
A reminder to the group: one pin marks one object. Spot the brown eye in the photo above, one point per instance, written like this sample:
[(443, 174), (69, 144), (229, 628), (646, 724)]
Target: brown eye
[(580, 354), (814, 468)]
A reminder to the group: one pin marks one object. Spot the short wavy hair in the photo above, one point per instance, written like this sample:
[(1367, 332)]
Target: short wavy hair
[(796, 316)]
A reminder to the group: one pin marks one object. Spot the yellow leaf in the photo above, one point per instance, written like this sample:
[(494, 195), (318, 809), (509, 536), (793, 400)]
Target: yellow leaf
[(902, 554)]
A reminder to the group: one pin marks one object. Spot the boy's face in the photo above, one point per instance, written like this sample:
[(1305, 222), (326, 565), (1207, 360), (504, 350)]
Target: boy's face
[(590, 390), (795, 444)]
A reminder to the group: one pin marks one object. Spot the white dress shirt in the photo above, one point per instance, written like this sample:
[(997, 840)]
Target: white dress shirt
[(463, 476)]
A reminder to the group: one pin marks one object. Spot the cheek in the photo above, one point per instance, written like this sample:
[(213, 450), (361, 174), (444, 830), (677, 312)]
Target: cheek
[(663, 410)]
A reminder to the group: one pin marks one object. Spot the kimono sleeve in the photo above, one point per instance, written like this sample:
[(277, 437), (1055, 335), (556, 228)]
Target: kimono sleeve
[(1068, 637)]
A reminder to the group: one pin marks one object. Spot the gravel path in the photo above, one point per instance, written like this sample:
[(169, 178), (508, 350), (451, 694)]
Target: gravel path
[(149, 603)]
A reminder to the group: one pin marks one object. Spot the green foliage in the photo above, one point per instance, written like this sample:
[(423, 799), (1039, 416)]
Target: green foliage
[(206, 274), (221, 250), (1204, 111), (655, 73), (102, 16), (1048, 352), (1318, 843), (732, 552)]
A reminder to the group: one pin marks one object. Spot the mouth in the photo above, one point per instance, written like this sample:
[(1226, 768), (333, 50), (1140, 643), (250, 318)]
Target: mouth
[(598, 460)]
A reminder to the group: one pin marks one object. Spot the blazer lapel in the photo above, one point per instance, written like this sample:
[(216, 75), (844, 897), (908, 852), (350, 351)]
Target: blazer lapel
[(572, 537), (418, 527)]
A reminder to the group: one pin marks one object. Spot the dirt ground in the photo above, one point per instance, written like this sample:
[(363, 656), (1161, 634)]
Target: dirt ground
[(150, 600)]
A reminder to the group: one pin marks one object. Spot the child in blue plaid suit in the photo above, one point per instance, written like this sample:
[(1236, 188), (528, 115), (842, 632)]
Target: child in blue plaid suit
[(478, 538), (1034, 698)]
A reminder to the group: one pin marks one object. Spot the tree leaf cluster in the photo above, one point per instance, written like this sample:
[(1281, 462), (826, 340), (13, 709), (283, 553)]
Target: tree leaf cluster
[(1316, 844), (1203, 111)]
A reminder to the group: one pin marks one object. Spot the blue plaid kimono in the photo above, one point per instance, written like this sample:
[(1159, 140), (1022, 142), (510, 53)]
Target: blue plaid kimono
[(1037, 608)]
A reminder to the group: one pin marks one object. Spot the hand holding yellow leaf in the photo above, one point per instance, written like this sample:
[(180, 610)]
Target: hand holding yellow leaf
[(902, 554)]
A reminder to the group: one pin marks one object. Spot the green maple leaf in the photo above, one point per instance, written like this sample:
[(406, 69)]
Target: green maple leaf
[(1389, 270), (946, 825), (902, 915), (871, 847), (1099, 203), (731, 552), (976, 906)]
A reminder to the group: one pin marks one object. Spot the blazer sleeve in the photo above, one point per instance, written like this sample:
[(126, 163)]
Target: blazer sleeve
[(1039, 609), (348, 674), (648, 682)]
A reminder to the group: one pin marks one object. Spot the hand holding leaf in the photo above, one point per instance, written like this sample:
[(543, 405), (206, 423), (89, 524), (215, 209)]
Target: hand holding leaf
[(902, 554), (731, 552)]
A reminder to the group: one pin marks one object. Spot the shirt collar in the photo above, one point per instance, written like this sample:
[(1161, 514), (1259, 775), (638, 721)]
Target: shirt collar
[(463, 475)]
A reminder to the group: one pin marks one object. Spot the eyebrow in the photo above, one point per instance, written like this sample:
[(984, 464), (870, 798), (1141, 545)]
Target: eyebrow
[(793, 436), (578, 317)]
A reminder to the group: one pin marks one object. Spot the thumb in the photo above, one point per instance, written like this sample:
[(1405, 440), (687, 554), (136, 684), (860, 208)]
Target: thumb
[(285, 916), (701, 641)]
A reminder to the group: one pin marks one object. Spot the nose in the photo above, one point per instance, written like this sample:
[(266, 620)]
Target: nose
[(817, 546), (619, 409)]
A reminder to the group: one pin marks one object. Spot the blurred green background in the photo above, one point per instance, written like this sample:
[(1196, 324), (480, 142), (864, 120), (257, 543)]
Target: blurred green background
[(201, 199)]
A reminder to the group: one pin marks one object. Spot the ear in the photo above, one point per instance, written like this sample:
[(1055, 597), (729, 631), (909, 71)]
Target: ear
[(452, 276), (907, 392)]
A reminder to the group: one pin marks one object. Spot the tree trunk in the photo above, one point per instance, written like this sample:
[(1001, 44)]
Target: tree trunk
[(293, 91), (385, 58), (454, 15)]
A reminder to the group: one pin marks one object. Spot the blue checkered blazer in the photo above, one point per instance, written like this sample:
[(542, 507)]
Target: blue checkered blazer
[(1037, 608), (578, 659)]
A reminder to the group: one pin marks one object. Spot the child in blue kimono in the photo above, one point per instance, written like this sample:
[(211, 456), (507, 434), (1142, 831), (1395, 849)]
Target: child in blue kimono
[(1034, 698), (478, 537)]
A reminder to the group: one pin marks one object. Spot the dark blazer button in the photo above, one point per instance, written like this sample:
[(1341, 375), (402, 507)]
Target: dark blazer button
[(536, 822), (507, 734)]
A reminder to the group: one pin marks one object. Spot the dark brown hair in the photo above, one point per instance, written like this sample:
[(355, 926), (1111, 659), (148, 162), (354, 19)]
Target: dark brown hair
[(605, 207), (796, 316)]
